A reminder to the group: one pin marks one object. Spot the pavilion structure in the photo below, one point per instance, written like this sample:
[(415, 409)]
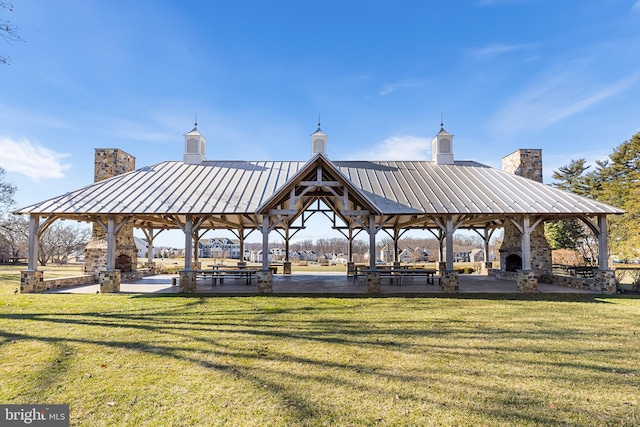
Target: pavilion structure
[(440, 195)]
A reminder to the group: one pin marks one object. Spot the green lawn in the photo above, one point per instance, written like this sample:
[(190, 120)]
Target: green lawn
[(122, 360)]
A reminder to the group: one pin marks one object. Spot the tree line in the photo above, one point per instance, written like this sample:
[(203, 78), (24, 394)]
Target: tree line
[(59, 241), (615, 181)]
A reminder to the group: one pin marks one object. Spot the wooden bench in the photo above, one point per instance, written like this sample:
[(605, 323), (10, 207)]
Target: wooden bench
[(586, 272)]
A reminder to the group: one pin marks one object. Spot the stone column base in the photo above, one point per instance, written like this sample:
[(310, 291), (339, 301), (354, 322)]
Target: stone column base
[(373, 283), (486, 268), (351, 268), (150, 265), (286, 267), (265, 281), (442, 266), (604, 281), (450, 283), (31, 281), (527, 281), (187, 281), (109, 281)]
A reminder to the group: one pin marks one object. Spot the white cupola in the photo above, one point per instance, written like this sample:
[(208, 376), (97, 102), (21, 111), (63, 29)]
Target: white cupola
[(319, 141), (194, 146), (442, 148)]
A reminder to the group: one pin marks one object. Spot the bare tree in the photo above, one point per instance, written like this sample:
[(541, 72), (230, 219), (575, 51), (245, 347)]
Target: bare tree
[(60, 240), (7, 190), (14, 238), (8, 31)]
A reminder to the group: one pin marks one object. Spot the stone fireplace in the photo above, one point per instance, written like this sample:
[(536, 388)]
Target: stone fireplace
[(512, 262), (526, 163), (110, 162), (123, 263)]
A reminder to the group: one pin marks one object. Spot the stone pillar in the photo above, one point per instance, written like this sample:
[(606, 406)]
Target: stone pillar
[(442, 266), (286, 267), (450, 283), (109, 281), (265, 281), (486, 267), (373, 282), (31, 281), (604, 281), (187, 281), (527, 281), (151, 266)]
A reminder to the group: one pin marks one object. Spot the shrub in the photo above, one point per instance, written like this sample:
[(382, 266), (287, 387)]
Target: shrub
[(567, 257)]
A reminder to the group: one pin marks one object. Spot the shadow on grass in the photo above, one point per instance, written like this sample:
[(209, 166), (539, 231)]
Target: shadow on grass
[(274, 346), (560, 297)]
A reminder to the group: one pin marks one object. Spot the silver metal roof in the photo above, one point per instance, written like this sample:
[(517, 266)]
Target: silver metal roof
[(240, 188)]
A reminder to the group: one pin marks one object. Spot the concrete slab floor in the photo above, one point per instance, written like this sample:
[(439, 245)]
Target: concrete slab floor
[(321, 283)]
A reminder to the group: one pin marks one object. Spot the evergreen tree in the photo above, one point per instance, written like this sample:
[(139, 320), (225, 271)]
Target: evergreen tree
[(571, 233), (617, 182), (571, 177)]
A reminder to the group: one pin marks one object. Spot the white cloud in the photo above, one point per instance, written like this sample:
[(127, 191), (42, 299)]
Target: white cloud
[(13, 116), (498, 49), (555, 97), (402, 84), (32, 160), (397, 148)]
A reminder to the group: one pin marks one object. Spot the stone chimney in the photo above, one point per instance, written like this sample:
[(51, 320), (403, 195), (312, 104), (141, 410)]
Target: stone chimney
[(526, 163), (110, 162)]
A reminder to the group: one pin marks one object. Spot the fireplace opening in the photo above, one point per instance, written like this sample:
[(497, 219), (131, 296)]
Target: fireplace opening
[(123, 263), (513, 262)]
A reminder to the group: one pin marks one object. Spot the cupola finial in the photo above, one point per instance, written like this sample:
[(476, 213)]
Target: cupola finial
[(318, 140)]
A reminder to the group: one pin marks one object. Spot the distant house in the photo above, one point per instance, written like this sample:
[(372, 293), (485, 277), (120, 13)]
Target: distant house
[(308, 255), (477, 255), (462, 256), (256, 256), (168, 252), (335, 258), (413, 255), (219, 247), (142, 246)]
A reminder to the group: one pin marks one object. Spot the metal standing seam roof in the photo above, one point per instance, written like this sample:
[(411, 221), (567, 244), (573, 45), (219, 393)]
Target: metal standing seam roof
[(395, 187)]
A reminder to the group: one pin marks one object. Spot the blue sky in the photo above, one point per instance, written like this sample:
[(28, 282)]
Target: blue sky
[(563, 76)]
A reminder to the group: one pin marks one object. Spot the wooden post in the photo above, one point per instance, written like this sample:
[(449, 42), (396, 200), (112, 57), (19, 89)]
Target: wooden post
[(34, 245)]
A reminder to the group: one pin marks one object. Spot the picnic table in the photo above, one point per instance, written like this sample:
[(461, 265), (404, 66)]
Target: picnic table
[(395, 275), (219, 274)]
